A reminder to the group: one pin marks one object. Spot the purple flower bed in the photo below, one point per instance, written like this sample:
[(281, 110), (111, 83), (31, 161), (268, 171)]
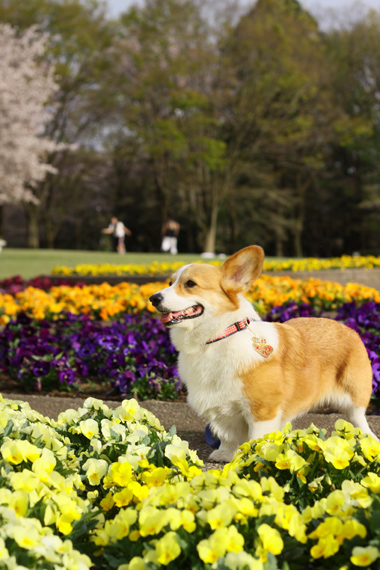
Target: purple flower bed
[(134, 355), (14, 285), (365, 320)]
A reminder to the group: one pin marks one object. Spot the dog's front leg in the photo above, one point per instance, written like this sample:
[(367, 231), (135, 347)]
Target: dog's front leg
[(232, 430), (225, 453)]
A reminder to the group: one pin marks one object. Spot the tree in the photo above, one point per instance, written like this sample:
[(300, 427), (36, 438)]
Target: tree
[(283, 111), (79, 43), (170, 93), (27, 85), (355, 165)]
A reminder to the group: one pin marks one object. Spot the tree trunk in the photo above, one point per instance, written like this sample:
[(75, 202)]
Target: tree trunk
[(50, 231), (297, 233), (233, 225), (210, 238), (32, 215), (299, 218), (279, 245), (78, 233), (1, 221)]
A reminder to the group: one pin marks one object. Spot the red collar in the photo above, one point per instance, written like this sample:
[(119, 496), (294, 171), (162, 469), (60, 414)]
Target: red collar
[(236, 327)]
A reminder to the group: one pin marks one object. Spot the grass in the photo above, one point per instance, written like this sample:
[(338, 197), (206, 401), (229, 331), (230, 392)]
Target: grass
[(30, 263)]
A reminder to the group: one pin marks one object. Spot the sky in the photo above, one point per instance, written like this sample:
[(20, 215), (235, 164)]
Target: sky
[(315, 6)]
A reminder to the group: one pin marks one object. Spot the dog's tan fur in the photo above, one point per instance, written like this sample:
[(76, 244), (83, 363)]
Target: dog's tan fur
[(316, 357)]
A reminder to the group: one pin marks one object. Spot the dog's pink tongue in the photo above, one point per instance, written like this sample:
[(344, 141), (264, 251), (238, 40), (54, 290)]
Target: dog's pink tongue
[(165, 317)]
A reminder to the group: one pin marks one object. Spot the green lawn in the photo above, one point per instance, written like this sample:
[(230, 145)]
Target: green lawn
[(32, 262)]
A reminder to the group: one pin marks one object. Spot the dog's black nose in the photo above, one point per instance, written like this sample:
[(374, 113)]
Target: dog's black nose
[(156, 299)]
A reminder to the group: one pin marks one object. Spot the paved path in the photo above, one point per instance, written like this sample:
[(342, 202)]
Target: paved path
[(189, 426)]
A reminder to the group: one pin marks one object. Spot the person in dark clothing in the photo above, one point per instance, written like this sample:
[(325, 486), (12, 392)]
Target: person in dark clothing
[(169, 233)]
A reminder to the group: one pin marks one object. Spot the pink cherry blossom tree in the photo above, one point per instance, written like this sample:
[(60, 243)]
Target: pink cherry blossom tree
[(27, 89)]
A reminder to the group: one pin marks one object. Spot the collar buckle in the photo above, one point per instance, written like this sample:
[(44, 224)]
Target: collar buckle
[(241, 325)]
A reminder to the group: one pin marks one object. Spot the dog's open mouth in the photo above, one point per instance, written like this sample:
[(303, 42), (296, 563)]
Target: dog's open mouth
[(175, 317)]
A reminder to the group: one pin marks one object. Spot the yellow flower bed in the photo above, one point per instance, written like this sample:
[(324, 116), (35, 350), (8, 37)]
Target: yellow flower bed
[(315, 264), (165, 268), (99, 301), (154, 268), (270, 291), (106, 301), (109, 488)]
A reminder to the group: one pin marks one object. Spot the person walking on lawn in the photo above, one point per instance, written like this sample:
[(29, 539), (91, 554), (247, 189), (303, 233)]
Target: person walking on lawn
[(169, 232), (118, 231)]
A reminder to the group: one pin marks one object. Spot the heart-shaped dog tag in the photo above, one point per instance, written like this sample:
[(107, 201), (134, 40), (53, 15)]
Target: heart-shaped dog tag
[(261, 346)]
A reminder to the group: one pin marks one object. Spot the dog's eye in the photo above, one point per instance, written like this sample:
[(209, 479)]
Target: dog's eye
[(190, 283), (170, 283)]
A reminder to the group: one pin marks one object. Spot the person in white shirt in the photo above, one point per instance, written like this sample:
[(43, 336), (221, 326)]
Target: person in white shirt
[(118, 231)]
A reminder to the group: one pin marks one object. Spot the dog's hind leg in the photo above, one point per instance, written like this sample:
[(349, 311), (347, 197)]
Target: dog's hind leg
[(258, 429), (356, 382), (357, 417)]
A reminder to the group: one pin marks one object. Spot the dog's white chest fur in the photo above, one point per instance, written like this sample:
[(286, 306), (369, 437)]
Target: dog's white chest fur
[(211, 375)]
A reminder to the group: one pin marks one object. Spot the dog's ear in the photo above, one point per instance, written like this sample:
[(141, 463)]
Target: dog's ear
[(240, 270)]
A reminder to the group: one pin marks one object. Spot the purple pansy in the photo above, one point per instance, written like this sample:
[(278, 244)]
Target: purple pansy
[(127, 353)]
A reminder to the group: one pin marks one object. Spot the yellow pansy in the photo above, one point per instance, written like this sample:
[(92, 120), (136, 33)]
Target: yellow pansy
[(238, 560), (140, 492), (334, 503), (270, 485), (290, 460), (220, 516), (370, 448), (357, 492), (20, 502), (151, 521), (351, 528), (64, 524), (156, 477), (119, 527), (107, 503), (167, 548), (137, 563), (332, 526), (364, 556), (123, 498), (326, 547), (95, 470), (234, 540), (119, 474), (89, 428), (214, 547), (4, 553), (27, 538), (187, 521), (271, 539), (20, 450), (44, 464), (372, 481), (188, 471), (338, 455), (344, 429)]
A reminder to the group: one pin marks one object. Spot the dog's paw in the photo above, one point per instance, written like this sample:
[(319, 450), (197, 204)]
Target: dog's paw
[(222, 455)]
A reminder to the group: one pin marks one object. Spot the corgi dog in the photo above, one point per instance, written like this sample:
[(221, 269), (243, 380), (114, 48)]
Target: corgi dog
[(248, 377)]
